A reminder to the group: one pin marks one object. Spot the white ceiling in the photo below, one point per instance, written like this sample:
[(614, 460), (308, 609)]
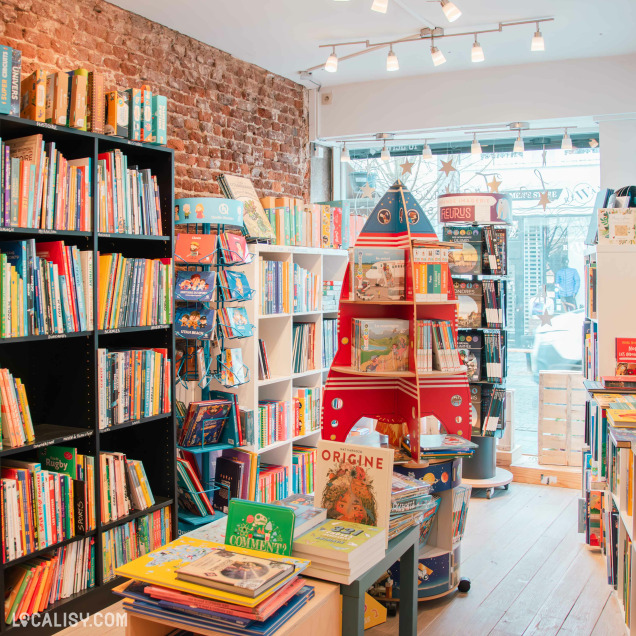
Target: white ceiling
[(282, 36)]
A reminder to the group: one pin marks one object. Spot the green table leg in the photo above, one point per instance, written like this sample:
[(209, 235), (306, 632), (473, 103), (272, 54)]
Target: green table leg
[(408, 592), (352, 615)]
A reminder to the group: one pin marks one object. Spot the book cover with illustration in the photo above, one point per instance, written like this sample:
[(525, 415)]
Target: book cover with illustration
[(353, 483), (196, 286), (469, 344), (195, 322), (228, 476), (470, 301), (380, 344), (339, 539), (237, 322), (377, 273), (234, 248), (234, 285), (59, 459), (617, 226), (297, 500), (159, 568), (204, 422), (195, 249), (468, 260), (256, 222), (307, 517), (260, 526)]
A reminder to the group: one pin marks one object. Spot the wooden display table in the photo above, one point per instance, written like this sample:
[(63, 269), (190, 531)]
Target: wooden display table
[(321, 616)]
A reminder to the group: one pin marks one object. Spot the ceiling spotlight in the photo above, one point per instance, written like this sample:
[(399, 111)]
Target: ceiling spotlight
[(436, 54), (519, 146), (537, 41), (392, 63), (344, 155), (331, 65), (593, 143), (385, 155), (380, 6), (475, 147), (566, 142), (427, 153), (450, 10), (477, 53)]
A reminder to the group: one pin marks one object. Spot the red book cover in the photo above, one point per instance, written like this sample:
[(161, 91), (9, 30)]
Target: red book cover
[(336, 219), (196, 249)]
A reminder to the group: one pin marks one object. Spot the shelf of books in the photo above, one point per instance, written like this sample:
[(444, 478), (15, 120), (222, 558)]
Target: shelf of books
[(609, 365), (87, 379), (479, 271)]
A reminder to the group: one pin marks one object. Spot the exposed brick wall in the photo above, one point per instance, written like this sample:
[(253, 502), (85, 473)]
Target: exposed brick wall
[(224, 115)]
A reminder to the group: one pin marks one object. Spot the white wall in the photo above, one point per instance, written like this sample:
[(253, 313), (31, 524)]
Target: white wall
[(618, 153), (569, 88)]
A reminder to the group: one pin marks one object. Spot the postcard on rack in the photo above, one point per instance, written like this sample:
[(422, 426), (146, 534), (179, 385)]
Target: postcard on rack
[(196, 286), (195, 249), (195, 322)]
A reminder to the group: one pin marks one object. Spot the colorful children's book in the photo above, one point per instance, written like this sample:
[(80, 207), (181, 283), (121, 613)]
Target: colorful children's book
[(60, 459), (469, 309), (380, 344), (204, 422), (617, 226), (234, 285), (195, 249), (228, 477), (195, 322), (377, 273), (233, 371), (235, 323), (260, 526), (234, 248), (196, 286), (469, 344), (468, 260), (353, 482)]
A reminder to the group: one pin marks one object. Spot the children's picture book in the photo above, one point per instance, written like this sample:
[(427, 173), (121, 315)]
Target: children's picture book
[(617, 226), (297, 500), (380, 344), (234, 248), (470, 302), (196, 286), (377, 273), (234, 285), (159, 568), (353, 483), (195, 249), (204, 422), (256, 222), (340, 540), (229, 479), (59, 459), (235, 323), (469, 345), (307, 517), (468, 260), (260, 526), (195, 322), (233, 371), (245, 574)]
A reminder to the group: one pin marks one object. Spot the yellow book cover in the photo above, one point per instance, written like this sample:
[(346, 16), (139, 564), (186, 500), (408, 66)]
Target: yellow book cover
[(14, 303), (33, 96), (103, 273), (119, 288), (143, 483), (325, 212), (159, 568), (28, 422), (622, 418), (145, 300)]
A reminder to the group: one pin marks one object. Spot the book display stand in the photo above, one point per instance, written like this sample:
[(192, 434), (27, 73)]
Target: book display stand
[(60, 371), (480, 269)]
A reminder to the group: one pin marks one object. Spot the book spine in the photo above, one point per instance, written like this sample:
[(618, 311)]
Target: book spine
[(16, 74), (6, 57)]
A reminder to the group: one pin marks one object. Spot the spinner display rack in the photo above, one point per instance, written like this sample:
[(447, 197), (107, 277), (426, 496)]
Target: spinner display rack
[(60, 370)]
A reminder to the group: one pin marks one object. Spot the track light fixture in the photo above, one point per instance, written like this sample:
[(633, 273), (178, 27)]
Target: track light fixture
[(566, 142), (385, 155), (427, 153), (519, 145), (477, 53), (450, 10), (344, 155), (436, 54), (380, 6), (475, 147), (537, 41), (331, 65), (392, 63)]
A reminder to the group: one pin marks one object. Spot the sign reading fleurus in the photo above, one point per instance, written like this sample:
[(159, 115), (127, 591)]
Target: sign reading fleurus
[(625, 349), (474, 207), (352, 458)]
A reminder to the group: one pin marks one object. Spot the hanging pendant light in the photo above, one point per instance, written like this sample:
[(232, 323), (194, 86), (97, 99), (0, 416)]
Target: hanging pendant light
[(566, 142), (392, 63), (436, 54), (331, 65), (344, 155), (380, 6), (475, 147), (385, 155), (450, 10), (427, 153), (519, 145), (538, 43), (477, 53)]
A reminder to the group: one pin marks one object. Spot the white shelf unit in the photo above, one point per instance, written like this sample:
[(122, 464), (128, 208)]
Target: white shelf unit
[(276, 330)]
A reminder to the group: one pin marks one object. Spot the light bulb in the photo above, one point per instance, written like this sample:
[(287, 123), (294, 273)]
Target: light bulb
[(331, 65), (566, 142), (392, 63), (385, 155), (344, 155), (437, 55), (380, 6), (477, 53), (475, 147), (427, 153), (450, 10), (519, 146), (537, 41)]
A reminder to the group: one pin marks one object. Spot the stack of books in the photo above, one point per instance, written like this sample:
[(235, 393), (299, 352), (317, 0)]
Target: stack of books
[(292, 221), (380, 345), (430, 270), (306, 516), (273, 483), (125, 486), (439, 448), (128, 200), (45, 288), (35, 585), (134, 292), (234, 248), (494, 303), (435, 347), (42, 189), (263, 361), (492, 409), (131, 540), (336, 224), (303, 465), (409, 500), (329, 341), (306, 290), (340, 551), (274, 286), (17, 425), (193, 496), (205, 421), (306, 405), (331, 290), (303, 346), (132, 384), (206, 588), (274, 421), (483, 250), (494, 355)]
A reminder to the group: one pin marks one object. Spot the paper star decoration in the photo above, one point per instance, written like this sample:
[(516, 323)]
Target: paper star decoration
[(406, 167), (493, 185), (447, 167), (546, 318), (367, 191), (544, 200)]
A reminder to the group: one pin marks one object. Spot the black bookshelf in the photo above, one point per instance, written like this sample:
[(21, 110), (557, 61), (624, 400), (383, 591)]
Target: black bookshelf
[(60, 371)]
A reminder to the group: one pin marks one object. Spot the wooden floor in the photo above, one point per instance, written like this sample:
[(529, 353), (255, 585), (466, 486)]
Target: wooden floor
[(531, 573)]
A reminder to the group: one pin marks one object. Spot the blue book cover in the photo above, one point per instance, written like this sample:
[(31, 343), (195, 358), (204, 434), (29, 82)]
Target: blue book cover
[(195, 322), (16, 74), (196, 286), (5, 79), (236, 285)]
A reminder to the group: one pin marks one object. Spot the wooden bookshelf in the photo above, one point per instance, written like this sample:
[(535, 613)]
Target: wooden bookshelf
[(60, 371)]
